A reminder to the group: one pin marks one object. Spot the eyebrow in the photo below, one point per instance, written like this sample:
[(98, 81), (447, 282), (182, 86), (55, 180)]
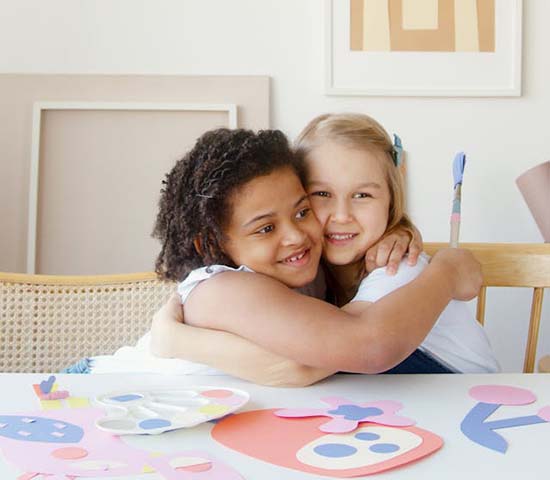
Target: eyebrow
[(361, 185), (271, 214)]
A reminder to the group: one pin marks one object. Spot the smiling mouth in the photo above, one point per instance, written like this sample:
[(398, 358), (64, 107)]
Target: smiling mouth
[(340, 238), (297, 260)]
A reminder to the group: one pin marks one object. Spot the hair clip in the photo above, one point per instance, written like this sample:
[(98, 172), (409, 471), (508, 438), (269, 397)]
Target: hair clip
[(397, 150)]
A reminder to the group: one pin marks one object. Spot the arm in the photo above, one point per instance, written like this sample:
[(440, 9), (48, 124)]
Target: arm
[(314, 333), (170, 337), (391, 248)]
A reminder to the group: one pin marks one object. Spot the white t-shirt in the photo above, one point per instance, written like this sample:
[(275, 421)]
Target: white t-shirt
[(457, 340), (139, 359)]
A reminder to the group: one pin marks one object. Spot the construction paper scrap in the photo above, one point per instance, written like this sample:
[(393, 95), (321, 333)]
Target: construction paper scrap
[(46, 385), (298, 443), (480, 430), (157, 411), (78, 402), (51, 404), (502, 394), (346, 415), (83, 451)]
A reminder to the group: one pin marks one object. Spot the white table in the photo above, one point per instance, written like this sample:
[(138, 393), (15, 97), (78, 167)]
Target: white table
[(438, 403)]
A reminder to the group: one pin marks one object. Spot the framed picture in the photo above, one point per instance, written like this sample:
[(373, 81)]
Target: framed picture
[(423, 47)]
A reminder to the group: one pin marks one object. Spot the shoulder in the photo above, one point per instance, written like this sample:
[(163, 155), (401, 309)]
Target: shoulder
[(378, 283)]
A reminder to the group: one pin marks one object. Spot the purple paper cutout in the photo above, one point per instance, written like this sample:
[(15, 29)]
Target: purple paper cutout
[(480, 430), (345, 415)]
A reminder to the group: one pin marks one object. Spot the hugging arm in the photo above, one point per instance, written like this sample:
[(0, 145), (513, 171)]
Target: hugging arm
[(314, 333), (225, 351)]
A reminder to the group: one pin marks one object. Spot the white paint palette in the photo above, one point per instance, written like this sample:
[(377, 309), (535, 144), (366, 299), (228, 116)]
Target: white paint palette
[(157, 411)]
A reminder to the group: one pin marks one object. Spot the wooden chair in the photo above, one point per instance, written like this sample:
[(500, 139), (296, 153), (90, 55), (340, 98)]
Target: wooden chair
[(512, 265), (48, 322)]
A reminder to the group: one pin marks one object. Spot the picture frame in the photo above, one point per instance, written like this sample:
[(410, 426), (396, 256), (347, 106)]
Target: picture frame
[(495, 73), (40, 107)]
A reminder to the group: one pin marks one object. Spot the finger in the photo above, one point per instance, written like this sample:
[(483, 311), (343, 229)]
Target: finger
[(384, 250), (370, 258), (414, 251), (395, 258)]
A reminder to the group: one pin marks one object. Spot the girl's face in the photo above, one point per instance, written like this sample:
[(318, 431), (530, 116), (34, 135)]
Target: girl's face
[(272, 229), (350, 197)]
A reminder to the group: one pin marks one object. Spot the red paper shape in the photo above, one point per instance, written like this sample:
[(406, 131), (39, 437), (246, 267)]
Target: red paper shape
[(261, 434)]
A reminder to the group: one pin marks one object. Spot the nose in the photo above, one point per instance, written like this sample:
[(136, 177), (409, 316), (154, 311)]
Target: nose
[(341, 211), (293, 234)]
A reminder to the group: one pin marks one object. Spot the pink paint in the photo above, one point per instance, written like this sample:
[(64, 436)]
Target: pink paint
[(217, 393), (502, 394), (57, 395)]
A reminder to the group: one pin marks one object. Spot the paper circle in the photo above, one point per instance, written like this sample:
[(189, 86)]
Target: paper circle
[(502, 395), (384, 448), (335, 450), (69, 453)]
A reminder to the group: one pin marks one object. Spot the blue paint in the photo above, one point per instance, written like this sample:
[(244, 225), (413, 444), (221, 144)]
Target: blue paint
[(40, 430), (335, 450), (355, 412), (47, 385), (152, 423), (127, 398), (384, 448), (367, 436)]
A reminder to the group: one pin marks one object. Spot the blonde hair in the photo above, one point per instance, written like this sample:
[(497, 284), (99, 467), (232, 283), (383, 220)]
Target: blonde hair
[(362, 132)]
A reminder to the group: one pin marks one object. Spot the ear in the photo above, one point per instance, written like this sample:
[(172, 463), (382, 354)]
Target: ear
[(197, 244)]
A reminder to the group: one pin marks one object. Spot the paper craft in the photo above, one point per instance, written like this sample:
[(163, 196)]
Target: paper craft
[(346, 415), (491, 397), (299, 444), (65, 443), (158, 411), (50, 396)]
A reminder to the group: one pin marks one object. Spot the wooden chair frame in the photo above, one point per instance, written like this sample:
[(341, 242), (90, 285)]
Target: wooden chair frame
[(512, 265)]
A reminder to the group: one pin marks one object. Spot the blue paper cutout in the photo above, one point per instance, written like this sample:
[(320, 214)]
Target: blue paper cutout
[(335, 450), (369, 436), (47, 385), (476, 427), (384, 448), (40, 430), (152, 423), (355, 412)]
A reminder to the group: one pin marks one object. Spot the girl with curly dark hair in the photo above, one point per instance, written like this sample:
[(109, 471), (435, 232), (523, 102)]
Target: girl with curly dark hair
[(237, 231)]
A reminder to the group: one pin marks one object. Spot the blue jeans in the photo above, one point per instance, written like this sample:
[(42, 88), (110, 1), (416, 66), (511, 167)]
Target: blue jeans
[(419, 362)]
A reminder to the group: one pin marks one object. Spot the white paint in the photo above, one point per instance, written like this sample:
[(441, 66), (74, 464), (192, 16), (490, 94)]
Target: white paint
[(503, 137)]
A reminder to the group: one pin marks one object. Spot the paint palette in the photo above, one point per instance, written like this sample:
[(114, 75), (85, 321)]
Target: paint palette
[(157, 411)]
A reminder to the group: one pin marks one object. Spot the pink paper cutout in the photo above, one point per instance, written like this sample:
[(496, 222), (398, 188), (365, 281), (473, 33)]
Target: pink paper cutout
[(35, 457), (502, 394), (544, 413), (346, 415)]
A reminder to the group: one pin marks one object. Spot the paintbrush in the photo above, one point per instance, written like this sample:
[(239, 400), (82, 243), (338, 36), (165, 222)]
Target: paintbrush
[(459, 163)]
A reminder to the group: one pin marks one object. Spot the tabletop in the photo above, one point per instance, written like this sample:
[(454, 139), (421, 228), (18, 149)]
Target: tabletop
[(437, 405)]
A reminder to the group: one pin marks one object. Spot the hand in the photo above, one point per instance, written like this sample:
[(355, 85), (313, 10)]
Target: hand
[(390, 250), (169, 315), (465, 276)]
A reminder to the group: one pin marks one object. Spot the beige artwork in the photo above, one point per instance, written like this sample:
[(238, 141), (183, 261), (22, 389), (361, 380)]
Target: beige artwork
[(422, 25)]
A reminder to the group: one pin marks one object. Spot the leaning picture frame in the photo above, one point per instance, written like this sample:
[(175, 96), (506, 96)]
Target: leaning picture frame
[(381, 48)]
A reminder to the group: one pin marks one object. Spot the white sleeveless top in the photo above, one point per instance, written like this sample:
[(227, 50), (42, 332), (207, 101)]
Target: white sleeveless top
[(139, 359)]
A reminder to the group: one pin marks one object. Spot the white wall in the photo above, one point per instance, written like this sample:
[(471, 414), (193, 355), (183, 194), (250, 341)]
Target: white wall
[(284, 39)]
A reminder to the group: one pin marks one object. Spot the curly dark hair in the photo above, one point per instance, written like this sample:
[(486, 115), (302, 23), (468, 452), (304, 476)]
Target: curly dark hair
[(195, 199)]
